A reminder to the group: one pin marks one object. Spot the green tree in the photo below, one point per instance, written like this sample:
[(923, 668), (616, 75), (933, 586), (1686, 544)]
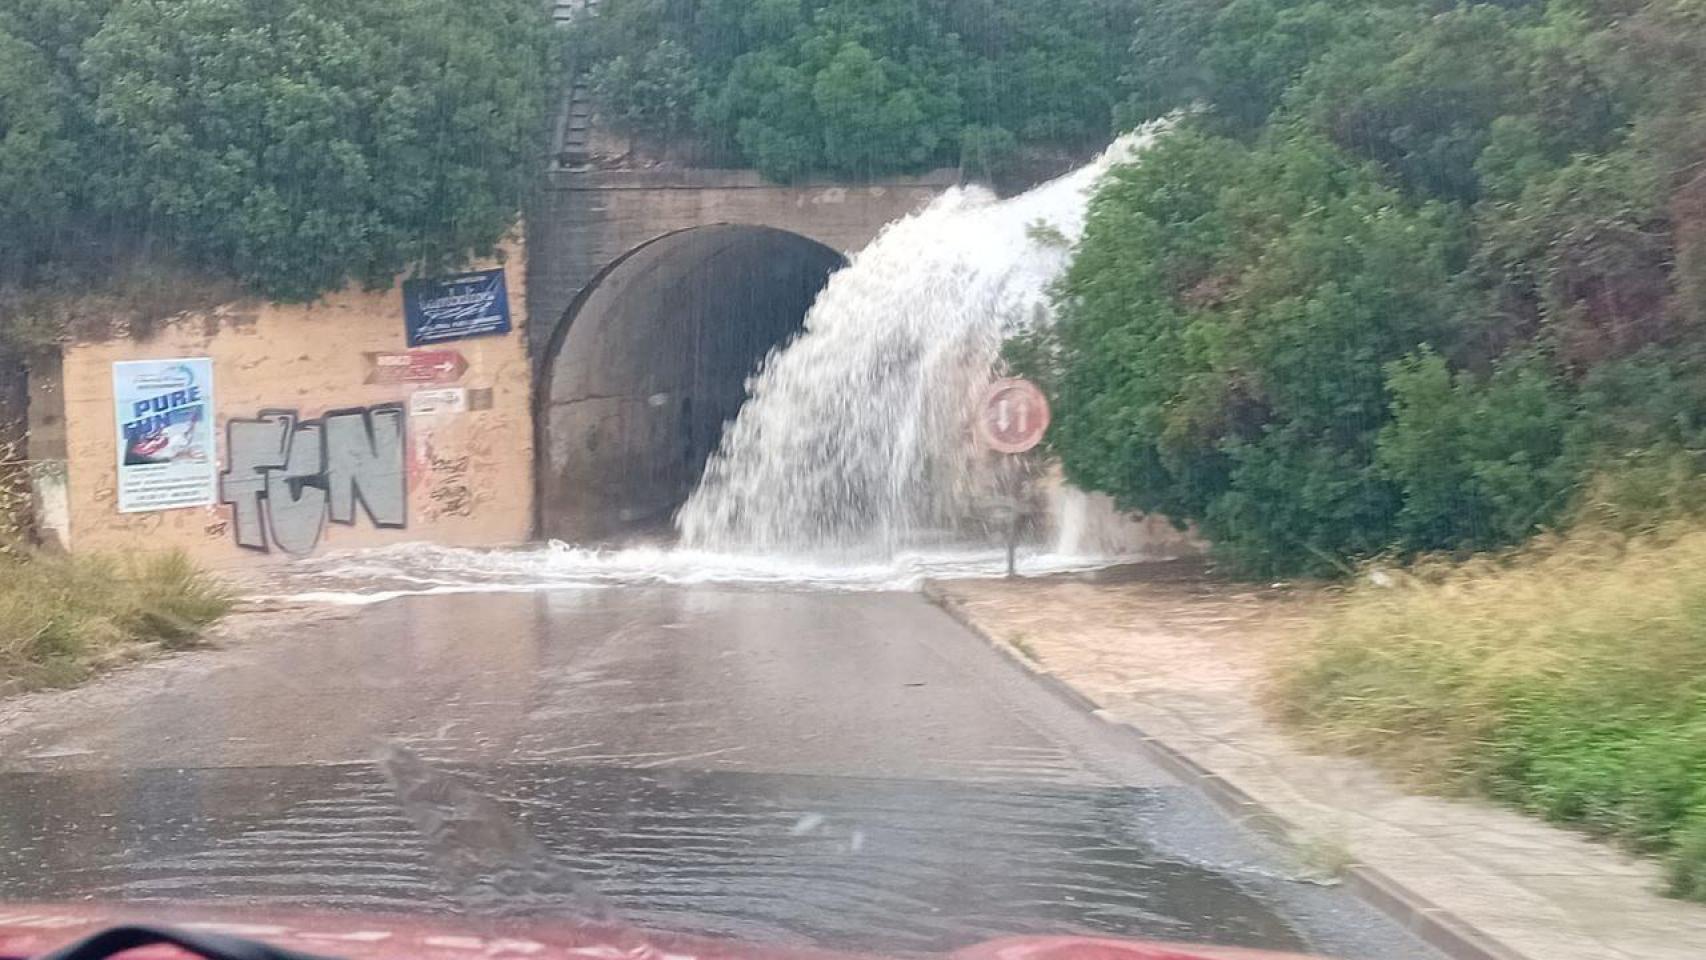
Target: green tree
[(37, 159), (862, 87), (855, 88), (1233, 58), (655, 92), (874, 114), (1222, 336), (1406, 276), (1046, 74), (1478, 462), (299, 145)]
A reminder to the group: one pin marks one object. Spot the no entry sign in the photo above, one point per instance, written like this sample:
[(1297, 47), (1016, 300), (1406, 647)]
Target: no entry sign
[(1012, 416)]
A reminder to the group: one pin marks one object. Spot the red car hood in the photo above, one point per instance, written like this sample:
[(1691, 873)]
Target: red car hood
[(28, 930)]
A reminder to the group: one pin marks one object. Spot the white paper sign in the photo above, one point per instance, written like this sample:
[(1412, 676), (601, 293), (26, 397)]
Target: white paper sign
[(429, 403)]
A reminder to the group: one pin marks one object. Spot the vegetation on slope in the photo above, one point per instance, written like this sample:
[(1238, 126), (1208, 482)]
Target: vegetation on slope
[(861, 87), (291, 146), (1405, 275), (1425, 281), (1568, 679)]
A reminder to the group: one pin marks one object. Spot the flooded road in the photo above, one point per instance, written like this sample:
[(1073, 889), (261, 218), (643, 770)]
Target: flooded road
[(846, 769)]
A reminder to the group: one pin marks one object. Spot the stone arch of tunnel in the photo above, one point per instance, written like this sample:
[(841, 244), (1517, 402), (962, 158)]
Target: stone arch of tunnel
[(649, 364)]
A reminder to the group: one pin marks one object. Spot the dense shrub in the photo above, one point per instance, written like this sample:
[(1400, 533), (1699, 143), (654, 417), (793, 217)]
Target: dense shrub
[(1407, 276), (294, 146), (860, 87)]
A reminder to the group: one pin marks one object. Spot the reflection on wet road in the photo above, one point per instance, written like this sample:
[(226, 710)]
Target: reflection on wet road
[(885, 864), (850, 770)]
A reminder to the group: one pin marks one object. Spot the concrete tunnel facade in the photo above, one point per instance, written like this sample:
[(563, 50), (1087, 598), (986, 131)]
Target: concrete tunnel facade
[(649, 364)]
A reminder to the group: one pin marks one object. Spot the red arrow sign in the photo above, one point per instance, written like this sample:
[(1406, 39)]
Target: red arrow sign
[(420, 366)]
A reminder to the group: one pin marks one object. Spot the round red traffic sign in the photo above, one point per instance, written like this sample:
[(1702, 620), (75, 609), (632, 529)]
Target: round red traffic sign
[(1013, 416)]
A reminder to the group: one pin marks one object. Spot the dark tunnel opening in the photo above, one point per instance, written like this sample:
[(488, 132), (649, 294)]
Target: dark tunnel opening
[(650, 363)]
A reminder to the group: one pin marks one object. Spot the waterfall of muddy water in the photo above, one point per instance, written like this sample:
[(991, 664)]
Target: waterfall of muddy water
[(855, 441)]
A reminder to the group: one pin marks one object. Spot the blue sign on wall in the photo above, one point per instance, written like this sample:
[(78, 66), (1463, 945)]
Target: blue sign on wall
[(455, 308)]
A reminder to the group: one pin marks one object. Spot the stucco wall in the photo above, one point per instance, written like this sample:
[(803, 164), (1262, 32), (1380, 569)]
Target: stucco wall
[(468, 475)]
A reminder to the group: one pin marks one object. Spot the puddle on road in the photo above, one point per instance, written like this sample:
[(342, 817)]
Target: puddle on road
[(878, 865)]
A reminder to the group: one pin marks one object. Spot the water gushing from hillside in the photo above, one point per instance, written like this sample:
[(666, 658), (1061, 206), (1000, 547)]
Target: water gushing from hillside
[(851, 466), (856, 436)]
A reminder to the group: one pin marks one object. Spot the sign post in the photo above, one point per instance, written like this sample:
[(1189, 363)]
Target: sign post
[(1012, 417)]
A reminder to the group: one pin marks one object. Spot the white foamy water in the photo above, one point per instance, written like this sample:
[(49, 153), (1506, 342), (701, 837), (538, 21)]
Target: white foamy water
[(375, 576), (856, 437)]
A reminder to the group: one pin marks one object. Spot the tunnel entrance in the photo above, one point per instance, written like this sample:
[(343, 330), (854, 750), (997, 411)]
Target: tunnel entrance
[(650, 363)]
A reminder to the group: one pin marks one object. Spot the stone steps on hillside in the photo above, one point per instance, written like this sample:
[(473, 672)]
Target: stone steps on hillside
[(574, 123)]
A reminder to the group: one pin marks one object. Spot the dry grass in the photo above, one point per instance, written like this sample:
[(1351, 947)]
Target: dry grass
[(65, 617), (1568, 678)]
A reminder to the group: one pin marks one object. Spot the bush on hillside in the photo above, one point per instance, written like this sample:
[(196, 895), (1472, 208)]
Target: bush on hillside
[(1477, 462), (1223, 337), (860, 87), (293, 146), (35, 154), (1394, 283)]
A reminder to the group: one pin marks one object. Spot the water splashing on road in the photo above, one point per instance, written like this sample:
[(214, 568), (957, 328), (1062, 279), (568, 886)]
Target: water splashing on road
[(856, 438), (374, 576), (852, 464)]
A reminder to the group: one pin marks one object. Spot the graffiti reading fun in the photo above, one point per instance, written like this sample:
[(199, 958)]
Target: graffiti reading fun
[(288, 477)]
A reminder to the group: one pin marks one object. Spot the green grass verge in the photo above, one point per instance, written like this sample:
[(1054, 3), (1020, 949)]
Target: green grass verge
[(1568, 679), (65, 617)]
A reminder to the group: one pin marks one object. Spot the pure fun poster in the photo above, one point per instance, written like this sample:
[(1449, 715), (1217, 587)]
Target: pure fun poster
[(165, 434)]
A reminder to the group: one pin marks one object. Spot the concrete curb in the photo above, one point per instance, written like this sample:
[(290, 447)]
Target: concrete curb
[(1434, 925)]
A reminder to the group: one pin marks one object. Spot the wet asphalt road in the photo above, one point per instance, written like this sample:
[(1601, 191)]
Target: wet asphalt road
[(852, 770)]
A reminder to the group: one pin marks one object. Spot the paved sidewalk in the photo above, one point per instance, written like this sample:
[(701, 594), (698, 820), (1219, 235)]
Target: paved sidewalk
[(1183, 661)]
